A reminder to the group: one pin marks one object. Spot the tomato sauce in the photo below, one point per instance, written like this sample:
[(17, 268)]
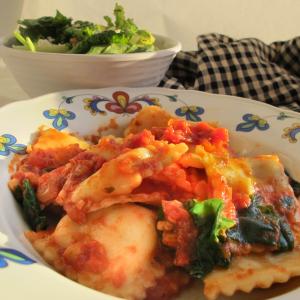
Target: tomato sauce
[(52, 158), (184, 231), (168, 286), (119, 277), (180, 131), (87, 256), (141, 139)]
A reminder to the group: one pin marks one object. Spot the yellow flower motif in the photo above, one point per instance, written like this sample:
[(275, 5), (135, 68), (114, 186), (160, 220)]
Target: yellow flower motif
[(54, 112), (255, 118), (291, 132), (92, 105), (191, 113), (3, 140), (262, 123), (122, 100), (155, 101)]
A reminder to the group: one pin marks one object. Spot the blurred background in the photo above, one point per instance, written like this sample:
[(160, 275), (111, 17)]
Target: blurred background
[(268, 20)]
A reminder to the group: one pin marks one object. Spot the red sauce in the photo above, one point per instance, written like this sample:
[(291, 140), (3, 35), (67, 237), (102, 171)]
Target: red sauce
[(141, 139), (119, 278), (176, 175), (168, 286), (95, 160), (91, 257), (50, 184), (218, 188), (148, 186), (241, 200), (274, 193), (78, 211), (184, 229), (82, 166), (52, 158), (132, 249), (32, 176), (167, 190), (181, 131)]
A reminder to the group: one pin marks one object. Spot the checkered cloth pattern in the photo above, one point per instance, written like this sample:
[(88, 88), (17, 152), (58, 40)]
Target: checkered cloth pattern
[(247, 68)]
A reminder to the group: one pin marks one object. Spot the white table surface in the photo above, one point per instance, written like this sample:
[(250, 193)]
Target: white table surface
[(10, 91)]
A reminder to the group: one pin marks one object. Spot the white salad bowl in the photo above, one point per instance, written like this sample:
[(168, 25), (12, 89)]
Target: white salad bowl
[(40, 72)]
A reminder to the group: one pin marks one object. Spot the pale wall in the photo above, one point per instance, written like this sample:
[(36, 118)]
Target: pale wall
[(268, 20)]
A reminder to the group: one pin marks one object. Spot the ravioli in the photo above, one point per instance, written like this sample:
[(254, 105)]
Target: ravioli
[(120, 176), (253, 271), (147, 118), (105, 253), (50, 138)]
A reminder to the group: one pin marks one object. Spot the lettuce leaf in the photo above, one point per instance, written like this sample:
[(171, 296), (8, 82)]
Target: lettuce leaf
[(45, 27), (120, 35), (121, 23)]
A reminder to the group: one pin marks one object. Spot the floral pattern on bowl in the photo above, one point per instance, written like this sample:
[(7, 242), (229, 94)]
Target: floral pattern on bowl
[(8, 145), (8, 254)]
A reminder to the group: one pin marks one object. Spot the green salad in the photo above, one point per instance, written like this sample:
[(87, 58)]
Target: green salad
[(61, 34)]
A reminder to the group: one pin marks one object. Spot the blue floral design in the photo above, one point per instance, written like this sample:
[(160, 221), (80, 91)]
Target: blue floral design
[(60, 117), (252, 122), (291, 132), (147, 99), (191, 113), (92, 104), (8, 145), (15, 256)]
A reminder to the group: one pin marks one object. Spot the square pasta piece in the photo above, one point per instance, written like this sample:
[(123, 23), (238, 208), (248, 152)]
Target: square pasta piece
[(246, 273)]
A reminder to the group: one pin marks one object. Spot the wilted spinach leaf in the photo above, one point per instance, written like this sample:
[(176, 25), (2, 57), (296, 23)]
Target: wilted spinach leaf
[(33, 214), (261, 224), (212, 226)]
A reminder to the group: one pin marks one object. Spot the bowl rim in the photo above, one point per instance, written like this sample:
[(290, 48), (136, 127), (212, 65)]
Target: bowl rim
[(177, 46)]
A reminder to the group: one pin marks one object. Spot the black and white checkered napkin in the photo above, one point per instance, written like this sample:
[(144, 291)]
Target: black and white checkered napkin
[(247, 68)]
